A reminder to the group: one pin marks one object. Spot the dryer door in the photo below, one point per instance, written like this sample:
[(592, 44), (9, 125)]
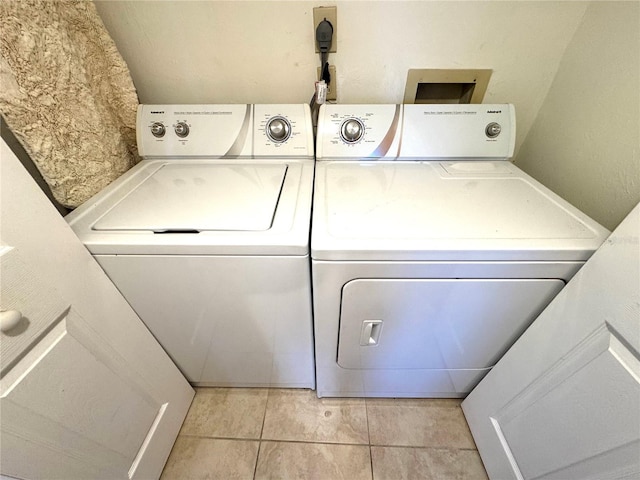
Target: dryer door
[(436, 323)]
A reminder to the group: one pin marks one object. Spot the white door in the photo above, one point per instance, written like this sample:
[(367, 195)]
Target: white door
[(564, 401), (85, 390)]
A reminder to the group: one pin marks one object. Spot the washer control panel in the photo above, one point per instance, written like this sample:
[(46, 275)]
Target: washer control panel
[(224, 131), (278, 129)]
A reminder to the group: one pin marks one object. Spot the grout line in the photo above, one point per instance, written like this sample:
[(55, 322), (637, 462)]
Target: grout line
[(264, 414), (320, 442), (426, 447), (264, 418), (371, 462), (255, 467), (366, 411), (324, 442), (210, 437)]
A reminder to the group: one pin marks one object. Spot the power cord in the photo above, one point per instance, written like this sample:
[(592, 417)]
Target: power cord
[(324, 37)]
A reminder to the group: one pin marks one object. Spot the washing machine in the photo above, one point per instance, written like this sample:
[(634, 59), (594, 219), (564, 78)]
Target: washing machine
[(431, 252), (208, 240)]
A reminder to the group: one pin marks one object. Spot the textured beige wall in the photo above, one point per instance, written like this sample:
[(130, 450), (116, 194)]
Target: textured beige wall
[(260, 52), (585, 142)]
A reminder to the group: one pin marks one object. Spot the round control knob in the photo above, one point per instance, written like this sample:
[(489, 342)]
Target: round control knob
[(493, 130), (278, 129), (181, 129), (158, 130), (352, 130)]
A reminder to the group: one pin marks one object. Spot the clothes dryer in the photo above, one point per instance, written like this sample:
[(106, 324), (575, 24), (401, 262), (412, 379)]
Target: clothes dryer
[(431, 252), (208, 239)]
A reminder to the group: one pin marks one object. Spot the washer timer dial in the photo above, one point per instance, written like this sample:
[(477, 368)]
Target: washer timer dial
[(278, 129), (352, 130)]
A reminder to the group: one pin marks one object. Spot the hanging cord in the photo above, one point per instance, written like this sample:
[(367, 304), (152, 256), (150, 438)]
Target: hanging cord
[(325, 74), (324, 36)]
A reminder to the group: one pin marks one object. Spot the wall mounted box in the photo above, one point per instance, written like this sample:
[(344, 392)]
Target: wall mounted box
[(446, 86), (331, 15), (332, 89)]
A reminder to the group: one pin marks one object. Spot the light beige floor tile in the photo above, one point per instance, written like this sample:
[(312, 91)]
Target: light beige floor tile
[(284, 460), (299, 415), (196, 458), (418, 423), (226, 412), (393, 463)]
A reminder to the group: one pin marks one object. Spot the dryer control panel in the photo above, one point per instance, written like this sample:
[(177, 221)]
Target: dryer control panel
[(358, 131), (416, 132), (464, 132), (224, 131)]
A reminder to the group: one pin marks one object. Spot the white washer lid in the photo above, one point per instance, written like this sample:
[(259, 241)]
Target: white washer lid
[(443, 210), (196, 197)]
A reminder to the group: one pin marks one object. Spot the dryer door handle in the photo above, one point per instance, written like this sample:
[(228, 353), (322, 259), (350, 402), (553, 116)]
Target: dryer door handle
[(370, 333)]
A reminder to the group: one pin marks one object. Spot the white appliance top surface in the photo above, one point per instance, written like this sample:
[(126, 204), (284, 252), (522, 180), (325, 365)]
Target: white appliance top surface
[(201, 207), (420, 210), (195, 197)]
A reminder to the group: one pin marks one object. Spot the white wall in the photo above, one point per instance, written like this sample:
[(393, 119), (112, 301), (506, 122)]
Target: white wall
[(585, 142), (260, 52)]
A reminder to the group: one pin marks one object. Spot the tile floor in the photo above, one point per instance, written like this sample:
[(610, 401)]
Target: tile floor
[(291, 434)]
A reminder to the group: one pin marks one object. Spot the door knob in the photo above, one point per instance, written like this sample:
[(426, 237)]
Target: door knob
[(9, 319)]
